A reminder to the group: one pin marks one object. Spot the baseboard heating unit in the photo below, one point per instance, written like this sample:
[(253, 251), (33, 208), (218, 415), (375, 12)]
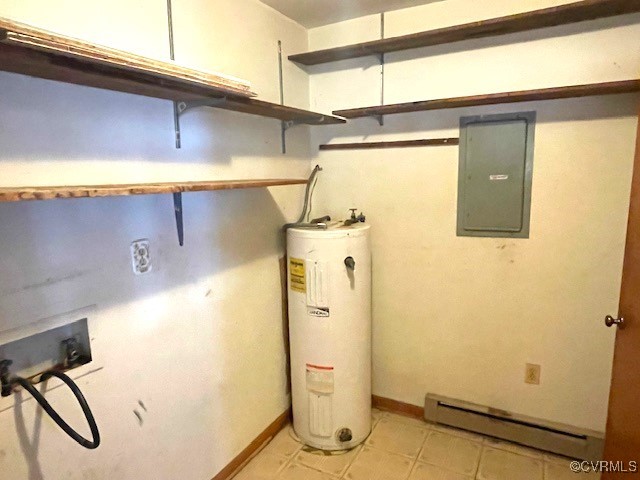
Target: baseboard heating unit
[(548, 436)]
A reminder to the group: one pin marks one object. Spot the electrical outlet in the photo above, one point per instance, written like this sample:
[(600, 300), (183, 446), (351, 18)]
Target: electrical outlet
[(140, 256), (532, 374)]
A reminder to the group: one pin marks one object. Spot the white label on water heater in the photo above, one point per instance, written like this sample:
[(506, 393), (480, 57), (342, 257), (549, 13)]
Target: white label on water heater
[(317, 288), (318, 311), (320, 392), (320, 415), (319, 379)]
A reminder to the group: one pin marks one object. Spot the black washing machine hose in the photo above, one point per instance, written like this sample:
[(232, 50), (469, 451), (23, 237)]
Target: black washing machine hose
[(28, 386)]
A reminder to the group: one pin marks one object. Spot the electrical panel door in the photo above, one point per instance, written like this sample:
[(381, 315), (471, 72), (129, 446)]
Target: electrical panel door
[(494, 185)]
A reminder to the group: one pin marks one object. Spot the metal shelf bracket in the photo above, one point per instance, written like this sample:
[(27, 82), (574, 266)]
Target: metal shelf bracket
[(181, 107), (287, 124), (177, 208), (206, 102), (381, 57)]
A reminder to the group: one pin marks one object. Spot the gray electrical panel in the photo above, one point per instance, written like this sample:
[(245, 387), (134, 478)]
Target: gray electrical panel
[(495, 172)]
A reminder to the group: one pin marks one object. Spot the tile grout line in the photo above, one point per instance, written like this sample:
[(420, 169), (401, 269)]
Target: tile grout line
[(413, 461), (429, 431), (482, 447)]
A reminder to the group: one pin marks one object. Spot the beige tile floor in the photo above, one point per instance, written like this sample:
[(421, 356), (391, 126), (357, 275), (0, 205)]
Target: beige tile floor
[(401, 448)]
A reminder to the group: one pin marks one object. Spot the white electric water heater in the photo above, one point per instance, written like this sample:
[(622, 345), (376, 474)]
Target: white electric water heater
[(329, 281)]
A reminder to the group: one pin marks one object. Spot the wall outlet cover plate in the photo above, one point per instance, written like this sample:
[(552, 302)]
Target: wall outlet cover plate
[(141, 256), (532, 374)]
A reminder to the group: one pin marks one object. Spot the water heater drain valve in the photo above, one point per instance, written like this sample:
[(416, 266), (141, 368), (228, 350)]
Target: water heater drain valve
[(345, 435)]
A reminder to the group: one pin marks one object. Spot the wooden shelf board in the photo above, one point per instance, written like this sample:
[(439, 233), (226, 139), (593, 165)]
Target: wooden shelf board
[(39, 53), (427, 142), (16, 194), (592, 89), (281, 112), (548, 17)]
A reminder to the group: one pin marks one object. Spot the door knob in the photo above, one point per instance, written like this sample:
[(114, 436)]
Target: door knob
[(609, 321)]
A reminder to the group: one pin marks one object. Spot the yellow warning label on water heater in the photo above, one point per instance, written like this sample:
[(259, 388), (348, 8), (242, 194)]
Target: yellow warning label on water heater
[(297, 275)]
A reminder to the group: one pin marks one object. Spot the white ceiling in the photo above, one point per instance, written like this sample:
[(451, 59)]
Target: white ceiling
[(314, 13)]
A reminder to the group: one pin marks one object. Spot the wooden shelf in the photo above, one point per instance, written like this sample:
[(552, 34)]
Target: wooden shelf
[(39, 53), (42, 54), (427, 142), (610, 88), (16, 194), (281, 112), (548, 17)]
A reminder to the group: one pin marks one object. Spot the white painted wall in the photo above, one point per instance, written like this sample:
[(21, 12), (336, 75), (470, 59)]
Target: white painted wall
[(198, 340), (461, 316)]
